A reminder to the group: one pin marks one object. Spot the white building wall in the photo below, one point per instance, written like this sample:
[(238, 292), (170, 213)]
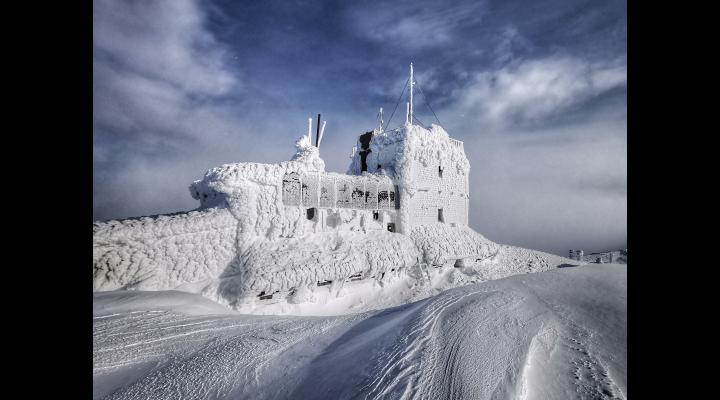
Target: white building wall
[(341, 219), (433, 192)]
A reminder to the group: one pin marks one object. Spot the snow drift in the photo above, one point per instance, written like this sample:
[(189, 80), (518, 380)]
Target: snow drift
[(553, 335)]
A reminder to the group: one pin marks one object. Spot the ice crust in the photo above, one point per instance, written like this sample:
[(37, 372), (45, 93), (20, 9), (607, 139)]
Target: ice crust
[(441, 244)]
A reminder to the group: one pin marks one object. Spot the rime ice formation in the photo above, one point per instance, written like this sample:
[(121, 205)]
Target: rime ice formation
[(279, 231), (163, 252)]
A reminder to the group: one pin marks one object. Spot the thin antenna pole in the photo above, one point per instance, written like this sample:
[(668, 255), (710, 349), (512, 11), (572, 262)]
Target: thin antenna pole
[(412, 83), (407, 113), (310, 130), (380, 117), (322, 131), (317, 133)]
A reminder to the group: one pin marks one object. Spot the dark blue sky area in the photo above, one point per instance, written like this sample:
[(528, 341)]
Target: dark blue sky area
[(537, 90)]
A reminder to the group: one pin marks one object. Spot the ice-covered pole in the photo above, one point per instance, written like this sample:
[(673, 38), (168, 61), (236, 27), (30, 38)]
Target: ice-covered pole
[(407, 113), (412, 83), (317, 133), (310, 130), (380, 117), (322, 130)]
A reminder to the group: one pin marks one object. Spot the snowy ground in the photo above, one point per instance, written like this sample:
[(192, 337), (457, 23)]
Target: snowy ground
[(548, 335)]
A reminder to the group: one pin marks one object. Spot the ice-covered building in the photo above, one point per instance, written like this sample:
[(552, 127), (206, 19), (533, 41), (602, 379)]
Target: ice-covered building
[(265, 230)]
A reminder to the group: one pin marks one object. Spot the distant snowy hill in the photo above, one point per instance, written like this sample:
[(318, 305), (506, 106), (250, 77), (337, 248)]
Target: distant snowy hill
[(551, 335)]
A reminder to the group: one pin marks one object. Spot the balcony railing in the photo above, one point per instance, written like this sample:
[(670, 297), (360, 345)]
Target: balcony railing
[(457, 143)]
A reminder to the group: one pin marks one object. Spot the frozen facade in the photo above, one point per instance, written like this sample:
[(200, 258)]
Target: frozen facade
[(277, 231), (267, 229)]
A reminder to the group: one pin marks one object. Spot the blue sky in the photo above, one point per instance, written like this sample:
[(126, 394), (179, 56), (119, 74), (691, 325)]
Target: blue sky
[(537, 90)]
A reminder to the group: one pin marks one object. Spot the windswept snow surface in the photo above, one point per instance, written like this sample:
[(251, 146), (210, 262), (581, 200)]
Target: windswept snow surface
[(550, 335)]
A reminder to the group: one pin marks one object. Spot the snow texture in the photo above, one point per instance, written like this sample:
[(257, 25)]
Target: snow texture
[(441, 244), (163, 252), (552, 335), (286, 265)]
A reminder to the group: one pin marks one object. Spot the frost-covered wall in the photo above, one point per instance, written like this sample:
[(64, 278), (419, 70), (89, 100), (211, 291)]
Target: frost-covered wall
[(430, 169), (287, 265), (167, 251), (439, 170)]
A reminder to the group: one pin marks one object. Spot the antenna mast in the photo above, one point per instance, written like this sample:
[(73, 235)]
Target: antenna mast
[(380, 117), (412, 83), (309, 135)]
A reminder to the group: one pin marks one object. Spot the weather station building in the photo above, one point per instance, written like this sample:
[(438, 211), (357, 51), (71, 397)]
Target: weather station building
[(267, 229)]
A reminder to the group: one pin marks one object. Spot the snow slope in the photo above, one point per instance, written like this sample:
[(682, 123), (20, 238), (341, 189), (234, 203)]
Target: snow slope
[(554, 334)]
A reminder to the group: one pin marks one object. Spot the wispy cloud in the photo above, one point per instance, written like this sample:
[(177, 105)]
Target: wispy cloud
[(413, 24), (531, 90), (156, 70), (159, 78), (163, 41)]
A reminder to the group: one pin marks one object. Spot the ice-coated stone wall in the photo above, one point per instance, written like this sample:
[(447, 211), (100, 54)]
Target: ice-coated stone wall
[(436, 191), (413, 156)]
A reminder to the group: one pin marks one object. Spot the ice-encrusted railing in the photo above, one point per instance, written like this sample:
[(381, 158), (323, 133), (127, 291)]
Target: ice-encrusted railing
[(457, 143), (330, 190)]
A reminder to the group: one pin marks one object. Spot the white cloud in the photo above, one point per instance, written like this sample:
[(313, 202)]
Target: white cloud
[(540, 184), (162, 40), (159, 78), (157, 71), (413, 24), (530, 90)]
